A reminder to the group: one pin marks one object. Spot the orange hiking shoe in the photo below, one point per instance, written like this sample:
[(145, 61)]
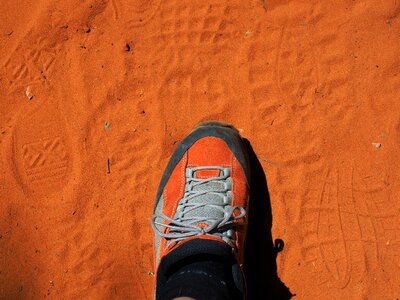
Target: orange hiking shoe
[(201, 202)]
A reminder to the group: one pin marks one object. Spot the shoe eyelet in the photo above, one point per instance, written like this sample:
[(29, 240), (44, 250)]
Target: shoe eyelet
[(226, 240), (189, 172), (188, 187), (227, 171), (230, 233), (227, 199), (228, 185)]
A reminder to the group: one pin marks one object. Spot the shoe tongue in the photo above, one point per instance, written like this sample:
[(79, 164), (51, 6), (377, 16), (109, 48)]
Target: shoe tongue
[(208, 198), (207, 173)]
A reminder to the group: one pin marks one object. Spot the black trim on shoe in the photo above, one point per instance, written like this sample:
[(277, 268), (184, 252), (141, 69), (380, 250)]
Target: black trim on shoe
[(229, 134)]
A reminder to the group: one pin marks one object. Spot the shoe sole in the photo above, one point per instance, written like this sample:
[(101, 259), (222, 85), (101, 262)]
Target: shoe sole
[(224, 131)]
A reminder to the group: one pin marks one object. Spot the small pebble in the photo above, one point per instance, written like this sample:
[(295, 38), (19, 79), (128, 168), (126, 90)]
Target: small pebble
[(127, 47), (87, 29), (377, 145), (28, 93)]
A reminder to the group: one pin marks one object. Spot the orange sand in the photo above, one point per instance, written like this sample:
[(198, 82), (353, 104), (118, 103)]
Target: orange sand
[(311, 84)]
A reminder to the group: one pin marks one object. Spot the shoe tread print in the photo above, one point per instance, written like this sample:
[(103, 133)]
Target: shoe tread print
[(347, 232)]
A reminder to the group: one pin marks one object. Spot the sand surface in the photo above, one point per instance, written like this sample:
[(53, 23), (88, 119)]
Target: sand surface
[(114, 85)]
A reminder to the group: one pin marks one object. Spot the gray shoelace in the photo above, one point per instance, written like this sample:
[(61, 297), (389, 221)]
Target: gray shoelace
[(205, 209)]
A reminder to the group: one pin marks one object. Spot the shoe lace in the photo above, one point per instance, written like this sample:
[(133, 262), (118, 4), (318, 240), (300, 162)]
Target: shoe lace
[(205, 209)]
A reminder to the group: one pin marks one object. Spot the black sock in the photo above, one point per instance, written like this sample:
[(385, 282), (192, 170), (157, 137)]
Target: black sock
[(208, 272)]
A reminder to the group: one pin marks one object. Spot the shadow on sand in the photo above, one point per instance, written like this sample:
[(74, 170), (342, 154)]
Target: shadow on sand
[(261, 252)]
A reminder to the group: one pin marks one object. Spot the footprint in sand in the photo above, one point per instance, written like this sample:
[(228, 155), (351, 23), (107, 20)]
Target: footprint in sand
[(180, 64), (297, 64), (134, 13), (347, 232), (32, 65), (42, 156)]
